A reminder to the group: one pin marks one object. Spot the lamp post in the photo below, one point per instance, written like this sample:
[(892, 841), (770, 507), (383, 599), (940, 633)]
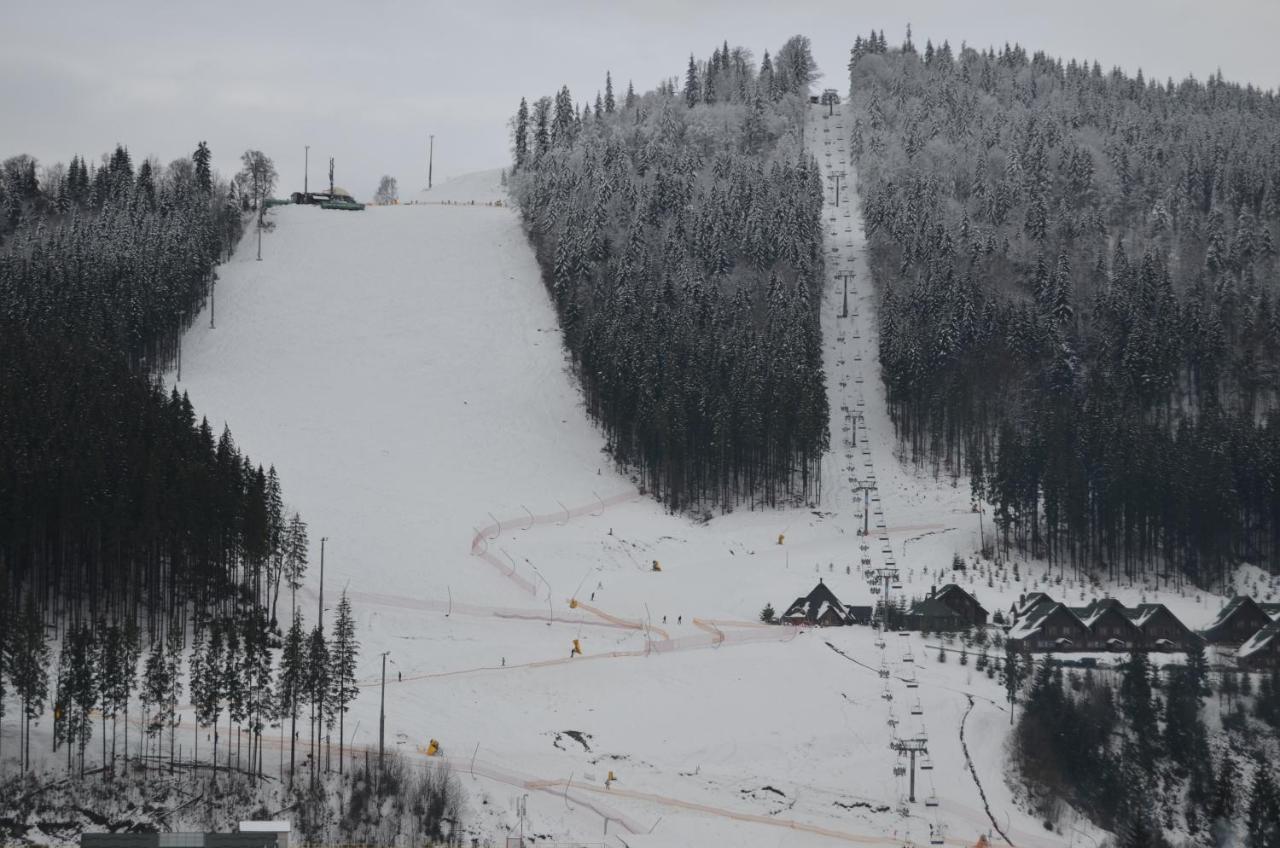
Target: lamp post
[(550, 608), (382, 718), (306, 167), (320, 612), (431, 158)]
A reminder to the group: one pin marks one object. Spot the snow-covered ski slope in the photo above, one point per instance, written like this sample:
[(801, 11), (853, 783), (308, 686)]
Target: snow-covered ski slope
[(402, 369)]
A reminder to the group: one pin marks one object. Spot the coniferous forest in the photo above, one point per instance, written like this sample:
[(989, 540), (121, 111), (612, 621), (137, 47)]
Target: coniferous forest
[(679, 235), (143, 555), (1075, 272)]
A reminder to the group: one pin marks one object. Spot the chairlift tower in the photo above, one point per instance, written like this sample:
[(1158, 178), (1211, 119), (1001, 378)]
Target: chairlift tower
[(866, 488), (882, 580), (911, 747), (846, 276)]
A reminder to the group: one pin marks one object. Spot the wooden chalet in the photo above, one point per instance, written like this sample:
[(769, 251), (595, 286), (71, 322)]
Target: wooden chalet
[(1261, 650), (1049, 626), (964, 604), (1025, 604), (1239, 619), (1161, 629), (1110, 629), (820, 607), (933, 615)]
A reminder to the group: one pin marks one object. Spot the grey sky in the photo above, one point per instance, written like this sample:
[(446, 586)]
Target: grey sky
[(367, 82)]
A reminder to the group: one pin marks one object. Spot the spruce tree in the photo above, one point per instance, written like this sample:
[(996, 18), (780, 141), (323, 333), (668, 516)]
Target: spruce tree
[(343, 676), (522, 135), (291, 683), (1262, 827), (29, 660), (692, 84), (204, 174), (318, 684)]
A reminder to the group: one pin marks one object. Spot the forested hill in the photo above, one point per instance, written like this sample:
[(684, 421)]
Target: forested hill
[(1077, 273), (115, 499), (679, 235)]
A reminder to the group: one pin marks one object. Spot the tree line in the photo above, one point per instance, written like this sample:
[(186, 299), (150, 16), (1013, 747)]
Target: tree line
[(1144, 757), (1075, 273), (679, 236), (131, 533)]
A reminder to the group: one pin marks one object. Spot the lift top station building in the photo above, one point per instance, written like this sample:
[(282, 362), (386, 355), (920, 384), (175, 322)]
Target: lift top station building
[(251, 834)]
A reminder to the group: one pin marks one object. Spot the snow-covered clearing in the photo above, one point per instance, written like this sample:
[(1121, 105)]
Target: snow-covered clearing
[(402, 369)]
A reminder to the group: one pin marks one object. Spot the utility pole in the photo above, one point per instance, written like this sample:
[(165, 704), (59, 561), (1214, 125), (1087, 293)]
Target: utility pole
[(323, 539), (382, 718), (306, 166), (260, 235), (330, 177), (431, 159), (846, 276)]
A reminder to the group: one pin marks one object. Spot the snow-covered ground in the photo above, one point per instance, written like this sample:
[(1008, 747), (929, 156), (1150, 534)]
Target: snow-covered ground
[(403, 370)]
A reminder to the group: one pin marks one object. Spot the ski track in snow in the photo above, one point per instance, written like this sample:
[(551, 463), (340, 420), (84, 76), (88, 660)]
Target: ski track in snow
[(403, 370)]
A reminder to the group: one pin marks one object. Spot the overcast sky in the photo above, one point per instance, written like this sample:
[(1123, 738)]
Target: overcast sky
[(368, 82)]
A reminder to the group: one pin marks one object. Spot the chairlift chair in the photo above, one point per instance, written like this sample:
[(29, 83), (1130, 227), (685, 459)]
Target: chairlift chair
[(899, 770), (918, 709), (931, 801), (926, 764)]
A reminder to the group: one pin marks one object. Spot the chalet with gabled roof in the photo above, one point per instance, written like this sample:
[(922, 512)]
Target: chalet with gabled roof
[(1239, 619), (1049, 626), (934, 616), (1027, 603), (964, 604), (1105, 624), (1262, 649), (820, 607), (1110, 629), (1161, 629)]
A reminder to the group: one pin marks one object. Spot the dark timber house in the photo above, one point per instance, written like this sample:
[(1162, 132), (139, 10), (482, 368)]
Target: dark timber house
[(1239, 619), (1162, 630), (820, 607), (1262, 650), (1106, 624), (964, 604), (932, 615), (1049, 626)]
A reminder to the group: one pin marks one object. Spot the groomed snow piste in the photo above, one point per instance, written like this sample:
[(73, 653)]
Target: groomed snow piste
[(403, 370)]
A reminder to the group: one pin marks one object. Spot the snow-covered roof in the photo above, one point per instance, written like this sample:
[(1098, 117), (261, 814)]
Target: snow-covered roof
[(1030, 625), (1230, 609), (1030, 602), (1265, 637), (955, 588), (816, 604), (1142, 613)]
